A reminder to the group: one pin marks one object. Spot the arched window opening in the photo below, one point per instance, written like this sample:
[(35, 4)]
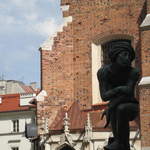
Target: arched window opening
[(100, 58), (67, 148), (105, 59)]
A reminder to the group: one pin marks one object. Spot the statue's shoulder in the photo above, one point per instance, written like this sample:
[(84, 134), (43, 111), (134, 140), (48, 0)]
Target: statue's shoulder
[(135, 73), (135, 70), (103, 71)]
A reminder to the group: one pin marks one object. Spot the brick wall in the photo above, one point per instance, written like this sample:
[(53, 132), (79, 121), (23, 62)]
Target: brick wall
[(144, 92), (66, 69), (98, 21), (145, 52), (57, 76)]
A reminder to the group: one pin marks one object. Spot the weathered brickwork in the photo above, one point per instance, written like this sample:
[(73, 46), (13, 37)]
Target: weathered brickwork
[(145, 115), (144, 91), (96, 21), (145, 52), (66, 69), (57, 76)]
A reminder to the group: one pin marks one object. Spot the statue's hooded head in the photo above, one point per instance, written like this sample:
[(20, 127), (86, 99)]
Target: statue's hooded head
[(117, 46)]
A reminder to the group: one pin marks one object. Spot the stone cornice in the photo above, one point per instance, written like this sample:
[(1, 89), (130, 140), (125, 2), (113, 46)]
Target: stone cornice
[(146, 23), (145, 81)]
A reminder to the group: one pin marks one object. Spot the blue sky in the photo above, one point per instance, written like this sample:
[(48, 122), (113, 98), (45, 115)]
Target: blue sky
[(24, 26)]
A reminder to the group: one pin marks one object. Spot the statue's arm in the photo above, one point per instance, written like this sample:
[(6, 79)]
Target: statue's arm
[(128, 88), (106, 92)]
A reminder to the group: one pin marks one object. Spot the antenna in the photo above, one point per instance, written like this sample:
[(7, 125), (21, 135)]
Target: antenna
[(21, 79), (2, 77)]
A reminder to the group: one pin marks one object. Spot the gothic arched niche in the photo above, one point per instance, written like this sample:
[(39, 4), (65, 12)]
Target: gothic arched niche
[(99, 53), (65, 147), (100, 39)]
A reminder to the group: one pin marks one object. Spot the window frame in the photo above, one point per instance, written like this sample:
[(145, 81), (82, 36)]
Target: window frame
[(14, 148), (15, 126)]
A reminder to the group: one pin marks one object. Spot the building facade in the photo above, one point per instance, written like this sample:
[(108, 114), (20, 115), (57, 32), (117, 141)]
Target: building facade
[(13, 87), (15, 113), (70, 59)]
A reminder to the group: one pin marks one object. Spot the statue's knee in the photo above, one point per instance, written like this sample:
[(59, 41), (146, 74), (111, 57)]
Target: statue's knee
[(121, 109)]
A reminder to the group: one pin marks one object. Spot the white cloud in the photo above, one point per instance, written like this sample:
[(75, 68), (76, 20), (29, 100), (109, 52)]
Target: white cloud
[(27, 17), (48, 27), (25, 3), (7, 20), (31, 17), (52, 0), (24, 25)]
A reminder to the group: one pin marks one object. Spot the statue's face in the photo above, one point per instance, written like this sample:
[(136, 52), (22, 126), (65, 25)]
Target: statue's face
[(123, 59)]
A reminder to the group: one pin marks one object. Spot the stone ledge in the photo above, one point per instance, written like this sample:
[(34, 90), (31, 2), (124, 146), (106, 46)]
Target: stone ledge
[(41, 96), (47, 45), (146, 23), (65, 7), (145, 81)]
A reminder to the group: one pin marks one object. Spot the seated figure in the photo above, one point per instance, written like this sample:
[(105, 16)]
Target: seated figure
[(117, 82)]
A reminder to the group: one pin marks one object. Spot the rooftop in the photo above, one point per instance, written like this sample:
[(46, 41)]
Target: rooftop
[(78, 118), (11, 102)]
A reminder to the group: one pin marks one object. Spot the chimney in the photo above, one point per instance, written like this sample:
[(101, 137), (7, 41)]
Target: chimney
[(33, 85)]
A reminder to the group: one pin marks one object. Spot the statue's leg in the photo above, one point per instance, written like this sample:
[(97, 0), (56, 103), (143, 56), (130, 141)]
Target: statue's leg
[(125, 113), (122, 125), (113, 143), (113, 122)]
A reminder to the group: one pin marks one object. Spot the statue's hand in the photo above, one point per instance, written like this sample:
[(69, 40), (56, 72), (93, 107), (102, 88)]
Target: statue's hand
[(123, 90)]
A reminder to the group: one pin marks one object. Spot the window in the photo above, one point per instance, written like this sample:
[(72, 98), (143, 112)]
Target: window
[(96, 64), (0, 100), (104, 58), (15, 126), (99, 58), (15, 148)]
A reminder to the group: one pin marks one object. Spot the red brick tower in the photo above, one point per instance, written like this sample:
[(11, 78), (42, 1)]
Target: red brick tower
[(144, 93), (66, 58)]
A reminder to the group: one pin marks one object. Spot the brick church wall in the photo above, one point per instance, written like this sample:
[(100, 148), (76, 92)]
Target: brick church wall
[(144, 92), (98, 21), (57, 76), (66, 69)]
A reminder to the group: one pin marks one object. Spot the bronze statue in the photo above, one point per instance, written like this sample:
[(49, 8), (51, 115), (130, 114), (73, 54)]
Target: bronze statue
[(117, 82)]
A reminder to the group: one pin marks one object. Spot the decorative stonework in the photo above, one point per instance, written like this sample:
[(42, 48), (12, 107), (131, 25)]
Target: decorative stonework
[(48, 44), (146, 23), (68, 136), (41, 96), (66, 124), (145, 81), (88, 130), (65, 145), (46, 126)]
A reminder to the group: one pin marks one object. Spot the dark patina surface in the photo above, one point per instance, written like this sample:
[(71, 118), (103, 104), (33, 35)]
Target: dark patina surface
[(117, 82)]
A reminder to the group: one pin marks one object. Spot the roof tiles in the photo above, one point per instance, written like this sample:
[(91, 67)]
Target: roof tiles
[(11, 102), (78, 118)]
